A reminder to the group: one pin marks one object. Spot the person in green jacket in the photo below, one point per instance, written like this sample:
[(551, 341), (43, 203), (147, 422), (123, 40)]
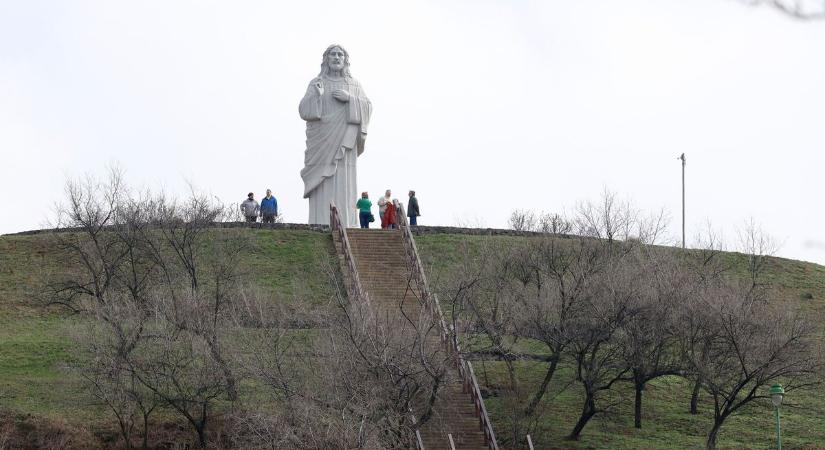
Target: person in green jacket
[(364, 206)]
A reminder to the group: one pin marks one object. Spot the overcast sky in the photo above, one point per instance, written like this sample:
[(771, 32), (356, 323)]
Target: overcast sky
[(481, 106)]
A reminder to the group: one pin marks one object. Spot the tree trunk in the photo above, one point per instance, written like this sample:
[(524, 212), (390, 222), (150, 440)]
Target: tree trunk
[(694, 397), (231, 390), (588, 411), (145, 431), (202, 436), (711, 442), (531, 408), (637, 413)]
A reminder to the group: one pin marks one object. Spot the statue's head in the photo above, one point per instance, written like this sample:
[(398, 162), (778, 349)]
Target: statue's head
[(335, 58)]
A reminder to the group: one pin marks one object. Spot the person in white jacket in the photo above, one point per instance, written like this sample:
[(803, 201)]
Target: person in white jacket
[(250, 208)]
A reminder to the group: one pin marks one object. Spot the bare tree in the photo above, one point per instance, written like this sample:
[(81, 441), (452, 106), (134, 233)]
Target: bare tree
[(562, 273), (374, 372), (157, 283), (738, 340), (522, 220), (743, 353), (594, 334), (647, 336), (106, 372), (487, 298), (798, 9)]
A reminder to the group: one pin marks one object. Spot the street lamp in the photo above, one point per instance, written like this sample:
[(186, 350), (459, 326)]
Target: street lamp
[(777, 395), (684, 161)]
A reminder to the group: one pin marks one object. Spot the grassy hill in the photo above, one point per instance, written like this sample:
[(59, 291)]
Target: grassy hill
[(36, 345)]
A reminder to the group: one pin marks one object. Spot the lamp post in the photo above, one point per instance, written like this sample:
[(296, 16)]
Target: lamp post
[(777, 395), (684, 161)]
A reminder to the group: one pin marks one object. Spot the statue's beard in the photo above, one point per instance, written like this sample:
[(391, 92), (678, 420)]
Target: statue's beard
[(330, 71)]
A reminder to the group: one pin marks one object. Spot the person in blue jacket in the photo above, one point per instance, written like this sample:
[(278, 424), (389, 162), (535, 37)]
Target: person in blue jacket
[(269, 208)]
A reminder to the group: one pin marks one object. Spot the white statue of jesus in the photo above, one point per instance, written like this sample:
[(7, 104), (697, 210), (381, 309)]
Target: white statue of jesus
[(337, 112)]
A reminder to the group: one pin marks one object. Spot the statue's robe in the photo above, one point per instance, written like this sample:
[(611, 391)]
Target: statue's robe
[(336, 132)]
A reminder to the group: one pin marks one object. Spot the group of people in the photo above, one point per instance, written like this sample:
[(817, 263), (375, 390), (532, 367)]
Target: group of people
[(387, 210), (267, 209)]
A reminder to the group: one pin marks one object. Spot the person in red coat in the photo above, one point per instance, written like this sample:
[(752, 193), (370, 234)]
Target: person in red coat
[(390, 221)]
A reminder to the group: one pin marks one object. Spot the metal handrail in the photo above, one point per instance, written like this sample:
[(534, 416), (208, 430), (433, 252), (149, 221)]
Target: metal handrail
[(448, 337), (418, 441), (354, 289)]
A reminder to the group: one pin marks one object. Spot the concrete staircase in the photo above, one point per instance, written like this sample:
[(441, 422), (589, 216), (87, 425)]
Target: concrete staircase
[(382, 266)]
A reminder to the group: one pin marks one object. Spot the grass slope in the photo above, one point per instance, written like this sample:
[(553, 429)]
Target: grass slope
[(36, 345)]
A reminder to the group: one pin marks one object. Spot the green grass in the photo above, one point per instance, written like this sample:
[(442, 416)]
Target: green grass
[(666, 423), (36, 345)]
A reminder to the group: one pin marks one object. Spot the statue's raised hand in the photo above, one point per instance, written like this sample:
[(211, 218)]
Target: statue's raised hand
[(341, 95)]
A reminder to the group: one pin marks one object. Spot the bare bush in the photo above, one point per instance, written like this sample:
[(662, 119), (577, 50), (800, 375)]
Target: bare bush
[(157, 283), (372, 376)]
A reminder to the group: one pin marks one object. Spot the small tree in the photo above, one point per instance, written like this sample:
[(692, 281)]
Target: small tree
[(646, 339)]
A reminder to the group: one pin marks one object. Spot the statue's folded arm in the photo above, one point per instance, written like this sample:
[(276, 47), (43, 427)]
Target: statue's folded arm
[(311, 106)]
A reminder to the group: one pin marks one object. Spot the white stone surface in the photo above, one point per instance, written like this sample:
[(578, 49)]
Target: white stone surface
[(337, 112)]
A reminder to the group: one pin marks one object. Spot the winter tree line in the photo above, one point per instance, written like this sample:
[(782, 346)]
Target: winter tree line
[(176, 333), (594, 290), (176, 328)]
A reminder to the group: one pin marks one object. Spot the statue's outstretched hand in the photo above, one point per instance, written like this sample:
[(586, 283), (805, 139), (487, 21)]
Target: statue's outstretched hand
[(341, 95)]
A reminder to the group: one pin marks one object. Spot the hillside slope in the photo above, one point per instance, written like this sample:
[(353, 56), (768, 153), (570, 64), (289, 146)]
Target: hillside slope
[(36, 345)]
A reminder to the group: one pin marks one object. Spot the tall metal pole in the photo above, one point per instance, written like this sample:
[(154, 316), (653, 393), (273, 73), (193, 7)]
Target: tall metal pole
[(683, 198), (778, 431)]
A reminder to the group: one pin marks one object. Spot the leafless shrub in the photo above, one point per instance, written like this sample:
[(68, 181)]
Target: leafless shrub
[(370, 377), (157, 284), (548, 223), (522, 220)]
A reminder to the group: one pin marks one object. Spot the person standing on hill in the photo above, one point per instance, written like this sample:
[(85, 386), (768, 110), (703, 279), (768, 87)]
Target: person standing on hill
[(412, 209), (364, 206), (382, 205), (250, 208), (269, 208), (390, 221)]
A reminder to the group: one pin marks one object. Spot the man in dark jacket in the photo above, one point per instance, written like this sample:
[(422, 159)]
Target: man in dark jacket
[(269, 208), (412, 209)]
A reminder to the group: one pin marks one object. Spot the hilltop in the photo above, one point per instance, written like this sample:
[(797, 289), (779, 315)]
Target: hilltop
[(37, 391)]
